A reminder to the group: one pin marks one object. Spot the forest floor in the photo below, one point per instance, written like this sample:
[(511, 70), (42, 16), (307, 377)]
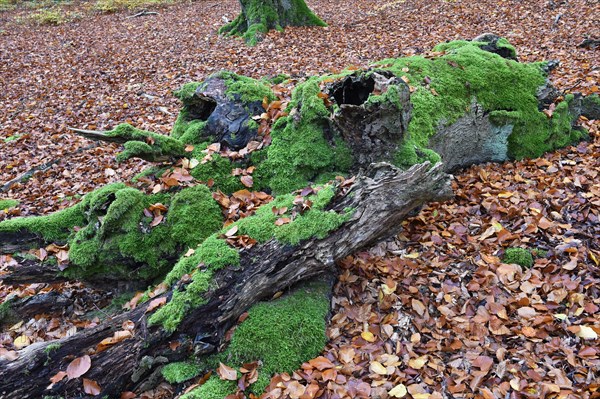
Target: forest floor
[(478, 327)]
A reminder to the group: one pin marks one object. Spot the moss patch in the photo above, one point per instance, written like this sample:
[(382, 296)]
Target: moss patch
[(300, 150), (176, 373), (519, 256), (282, 334), (117, 230), (143, 144), (55, 227), (5, 204)]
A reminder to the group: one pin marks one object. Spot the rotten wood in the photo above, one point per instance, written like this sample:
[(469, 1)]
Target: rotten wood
[(380, 200)]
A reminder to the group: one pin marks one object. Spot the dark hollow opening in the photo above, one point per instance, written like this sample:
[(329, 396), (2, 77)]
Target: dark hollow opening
[(201, 109), (353, 90)]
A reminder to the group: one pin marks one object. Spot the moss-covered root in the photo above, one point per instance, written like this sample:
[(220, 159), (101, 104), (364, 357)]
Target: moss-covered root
[(281, 334), (260, 16), (150, 146)]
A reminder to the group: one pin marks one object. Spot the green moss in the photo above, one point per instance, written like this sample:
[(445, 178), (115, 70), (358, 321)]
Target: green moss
[(519, 256), (187, 91), (213, 388), (176, 373), (505, 88), (244, 88), (281, 334), (51, 348), (300, 150), (315, 222), (193, 216), (219, 169), (141, 143), (188, 130), (504, 44), (118, 230), (8, 203), (55, 227), (214, 253), (7, 314)]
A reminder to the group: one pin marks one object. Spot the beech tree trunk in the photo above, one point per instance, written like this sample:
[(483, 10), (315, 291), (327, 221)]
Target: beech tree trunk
[(260, 16), (381, 199)]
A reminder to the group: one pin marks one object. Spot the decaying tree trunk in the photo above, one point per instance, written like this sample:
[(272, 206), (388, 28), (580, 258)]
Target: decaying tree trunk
[(381, 199), (387, 125), (260, 16)]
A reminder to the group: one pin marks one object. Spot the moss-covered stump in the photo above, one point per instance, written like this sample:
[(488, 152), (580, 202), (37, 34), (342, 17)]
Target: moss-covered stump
[(207, 295), (260, 16)]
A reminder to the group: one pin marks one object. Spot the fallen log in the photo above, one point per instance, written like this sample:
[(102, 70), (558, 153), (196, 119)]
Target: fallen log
[(380, 200), (386, 125)]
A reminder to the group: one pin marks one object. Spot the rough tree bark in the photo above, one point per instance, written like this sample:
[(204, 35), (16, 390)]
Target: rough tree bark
[(260, 16)]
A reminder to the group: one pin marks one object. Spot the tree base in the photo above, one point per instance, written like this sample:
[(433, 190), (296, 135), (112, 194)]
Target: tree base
[(258, 17)]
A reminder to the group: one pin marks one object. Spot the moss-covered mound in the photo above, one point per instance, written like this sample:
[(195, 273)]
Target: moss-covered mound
[(114, 228), (519, 256), (280, 334)]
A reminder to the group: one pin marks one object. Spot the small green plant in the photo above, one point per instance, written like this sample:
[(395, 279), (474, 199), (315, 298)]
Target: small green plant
[(49, 17), (48, 351), (17, 136), (8, 203), (110, 6), (519, 256)]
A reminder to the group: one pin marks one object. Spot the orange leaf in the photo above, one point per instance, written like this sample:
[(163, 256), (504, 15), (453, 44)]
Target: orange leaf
[(79, 367), (58, 377), (91, 387), (282, 221), (321, 363), (155, 303)]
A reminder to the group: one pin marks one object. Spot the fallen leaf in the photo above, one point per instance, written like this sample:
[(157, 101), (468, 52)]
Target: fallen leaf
[(91, 387), (155, 303), (226, 373), (399, 391), (79, 367)]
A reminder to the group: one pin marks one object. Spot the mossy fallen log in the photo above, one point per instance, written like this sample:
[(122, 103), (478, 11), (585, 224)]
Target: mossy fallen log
[(466, 102), (202, 313)]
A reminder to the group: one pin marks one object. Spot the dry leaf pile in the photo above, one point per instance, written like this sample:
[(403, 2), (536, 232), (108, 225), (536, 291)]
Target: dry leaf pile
[(107, 69)]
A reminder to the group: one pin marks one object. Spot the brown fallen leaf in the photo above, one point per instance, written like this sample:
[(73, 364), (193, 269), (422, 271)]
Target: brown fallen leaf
[(226, 373), (79, 367), (91, 387), (155, 303)]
